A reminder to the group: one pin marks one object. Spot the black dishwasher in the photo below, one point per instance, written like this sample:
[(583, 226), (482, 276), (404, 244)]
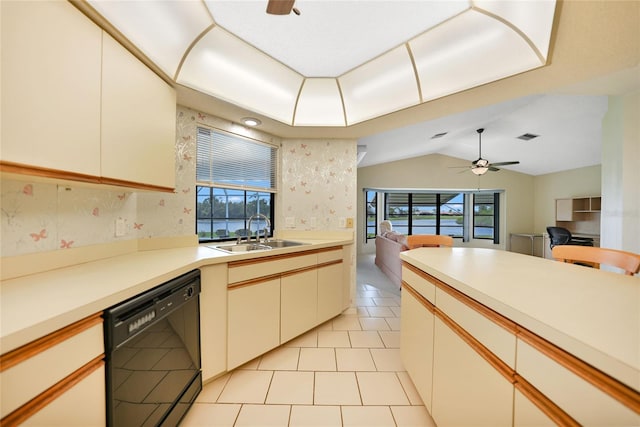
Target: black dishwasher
[(152, 352)]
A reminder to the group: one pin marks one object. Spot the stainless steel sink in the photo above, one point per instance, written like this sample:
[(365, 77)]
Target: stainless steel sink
[(248, 247), (282, 243), (242, 247)]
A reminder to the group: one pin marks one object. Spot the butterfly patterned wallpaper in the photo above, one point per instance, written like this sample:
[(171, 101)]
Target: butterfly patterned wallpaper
[(318, 181)]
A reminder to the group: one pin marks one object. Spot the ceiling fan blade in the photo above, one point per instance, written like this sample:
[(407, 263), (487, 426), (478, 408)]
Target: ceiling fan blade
[(505, 163), (280, 7), (493, 169)]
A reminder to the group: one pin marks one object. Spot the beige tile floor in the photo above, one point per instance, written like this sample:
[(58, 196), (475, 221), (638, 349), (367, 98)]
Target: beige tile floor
[(346, 372)]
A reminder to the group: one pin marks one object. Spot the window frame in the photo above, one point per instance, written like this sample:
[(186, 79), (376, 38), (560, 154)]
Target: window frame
[(244, 192)]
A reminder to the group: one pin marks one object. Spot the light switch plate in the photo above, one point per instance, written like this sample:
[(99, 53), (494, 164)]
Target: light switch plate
[(121, 227)]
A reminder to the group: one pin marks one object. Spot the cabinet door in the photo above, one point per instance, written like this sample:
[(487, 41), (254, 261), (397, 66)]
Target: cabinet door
[(329, 291), (526, 414), (584, 402), (564, 210), (254, 321), (416, 344), (138, 120), (467, 390), (213, 320), (299, 303), (82, 405), (50, 87)]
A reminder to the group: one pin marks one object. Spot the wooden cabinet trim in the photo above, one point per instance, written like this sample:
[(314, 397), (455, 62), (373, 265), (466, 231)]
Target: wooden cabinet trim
[(22, 169), (542, 402), (495, 317), (328, 263), (610, 386), (422, 300), (33, 348), (252, 282), (507, 372), (245, 262), (36, 404)]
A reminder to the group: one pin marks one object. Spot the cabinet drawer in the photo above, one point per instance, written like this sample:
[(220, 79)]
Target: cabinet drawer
[(82, 405), (584, 402), (329, 255), (498, 340), (419, 283), (262, 267), (27, 379)]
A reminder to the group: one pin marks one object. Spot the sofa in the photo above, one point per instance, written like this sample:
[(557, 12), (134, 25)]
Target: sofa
[(389, 244)]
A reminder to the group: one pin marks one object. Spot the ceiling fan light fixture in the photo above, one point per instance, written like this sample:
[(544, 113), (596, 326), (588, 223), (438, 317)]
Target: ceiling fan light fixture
[(480, 170)]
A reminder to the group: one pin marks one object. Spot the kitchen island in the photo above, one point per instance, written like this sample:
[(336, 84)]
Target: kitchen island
[(520, 340)]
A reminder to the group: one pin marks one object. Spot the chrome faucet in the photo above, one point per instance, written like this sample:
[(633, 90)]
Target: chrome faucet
[(267, 226)]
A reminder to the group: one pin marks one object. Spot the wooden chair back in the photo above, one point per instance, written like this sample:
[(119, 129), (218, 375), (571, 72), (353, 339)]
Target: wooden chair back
[(428, 240), (594, 256)]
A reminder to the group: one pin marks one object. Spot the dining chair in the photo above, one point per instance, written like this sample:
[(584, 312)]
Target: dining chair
[(428, 240), (595, 256)]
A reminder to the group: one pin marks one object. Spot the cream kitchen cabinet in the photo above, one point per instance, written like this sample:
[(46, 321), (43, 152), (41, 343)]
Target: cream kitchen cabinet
[(330, 284), (298, 303), (466, 389), (570, 392), (253, 320), (138, 121), (78, 106), (213, 320), (416, 341), (41, 380), (274, 299), (51, 66)]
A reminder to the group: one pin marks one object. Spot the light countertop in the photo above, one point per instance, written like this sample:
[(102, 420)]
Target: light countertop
[(35, 305), (592, 314)]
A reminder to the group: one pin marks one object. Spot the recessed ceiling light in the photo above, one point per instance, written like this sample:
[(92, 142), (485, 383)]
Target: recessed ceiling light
[(251, 121), (527, 136)]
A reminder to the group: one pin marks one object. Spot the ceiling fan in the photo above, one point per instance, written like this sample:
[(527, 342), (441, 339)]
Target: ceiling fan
[(480, 166), (281, 7)]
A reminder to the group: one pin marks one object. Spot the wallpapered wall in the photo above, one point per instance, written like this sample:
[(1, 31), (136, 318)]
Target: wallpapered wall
[(319, 181)]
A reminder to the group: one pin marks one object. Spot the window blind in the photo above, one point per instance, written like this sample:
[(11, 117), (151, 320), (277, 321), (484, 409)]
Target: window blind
[(225, 160)]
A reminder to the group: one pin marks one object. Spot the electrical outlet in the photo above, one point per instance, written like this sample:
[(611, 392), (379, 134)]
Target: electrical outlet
[(290, 222), (313, 223), (121, 227), (349, 222), (342, 222)]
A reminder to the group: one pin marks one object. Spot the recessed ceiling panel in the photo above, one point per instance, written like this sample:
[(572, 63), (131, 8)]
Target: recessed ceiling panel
[(533, 18), (320, 104), (162, 30), (381, 86), (450, 58), (329, 38), (224, 66)]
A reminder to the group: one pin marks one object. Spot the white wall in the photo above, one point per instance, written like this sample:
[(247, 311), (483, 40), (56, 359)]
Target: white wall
[(620, 228)]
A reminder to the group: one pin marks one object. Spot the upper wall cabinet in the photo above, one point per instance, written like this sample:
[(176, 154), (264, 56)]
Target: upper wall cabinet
[(76, 105), (51, 66), (577, 209), (138, 120)]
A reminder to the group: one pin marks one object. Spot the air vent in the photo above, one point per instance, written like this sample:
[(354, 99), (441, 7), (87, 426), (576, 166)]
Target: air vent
[(439, 135), (527, 136)]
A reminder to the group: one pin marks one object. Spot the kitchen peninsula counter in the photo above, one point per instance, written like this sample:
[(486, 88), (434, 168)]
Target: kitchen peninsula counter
[(35, 305), (520, 340)]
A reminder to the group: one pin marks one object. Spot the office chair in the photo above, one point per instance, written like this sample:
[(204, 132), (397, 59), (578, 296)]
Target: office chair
[(562, 236)]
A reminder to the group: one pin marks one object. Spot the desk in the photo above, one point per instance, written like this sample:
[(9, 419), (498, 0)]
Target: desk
[(532, 238)]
